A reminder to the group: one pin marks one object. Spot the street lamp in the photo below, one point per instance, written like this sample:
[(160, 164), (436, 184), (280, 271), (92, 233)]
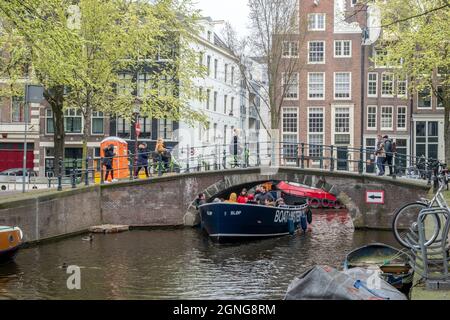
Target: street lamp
[(136, 127)]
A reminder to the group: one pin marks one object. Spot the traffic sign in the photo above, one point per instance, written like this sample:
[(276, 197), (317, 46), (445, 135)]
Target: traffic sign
[(375, 197)]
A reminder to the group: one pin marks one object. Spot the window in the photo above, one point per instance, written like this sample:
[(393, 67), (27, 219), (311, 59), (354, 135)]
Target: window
[(290, 133), (386, 118), (49, 128), (343, 49), (387, 85), (232, 75), (146, 128), (123, 128), (216, 66), (342, 126), (226, 72), (143, 84), (401, 117), (402, 87), (290, 49), (215, 133), (315, 131), (124, 86), (225, 129), (372, 117), (225, 100), (208, 65), (97, 125), (342, 85), (208, 98), (316, 22), (424, 98), (232, 106), (18, 110), (201, 56), (440, 97), (290, 86), (353, 2), (316, 52), (209, 36), (208, 125), (73, 121), (215, 100), (372, 85), (427, 139), (165, 129), (316, 86)]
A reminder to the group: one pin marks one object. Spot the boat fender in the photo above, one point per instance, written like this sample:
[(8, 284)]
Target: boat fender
[(291, 227), (304, 222), (314, 203), (309, 216)]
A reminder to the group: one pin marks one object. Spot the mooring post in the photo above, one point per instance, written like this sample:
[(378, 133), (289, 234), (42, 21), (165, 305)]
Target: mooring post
[(303, 155), (86, 176), (332, 158), (321, 156), (224, 160), (361, 160), (131, 165)]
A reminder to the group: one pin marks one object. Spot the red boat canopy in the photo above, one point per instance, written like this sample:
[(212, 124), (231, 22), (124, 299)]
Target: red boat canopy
[(304, 191)]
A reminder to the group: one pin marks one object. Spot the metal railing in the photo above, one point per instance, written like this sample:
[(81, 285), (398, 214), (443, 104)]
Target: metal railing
[(229, 156)]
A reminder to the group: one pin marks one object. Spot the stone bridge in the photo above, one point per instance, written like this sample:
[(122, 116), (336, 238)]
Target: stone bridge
[(168, 200)]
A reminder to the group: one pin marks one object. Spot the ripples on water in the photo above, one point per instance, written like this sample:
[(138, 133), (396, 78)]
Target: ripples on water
[(180, 264)]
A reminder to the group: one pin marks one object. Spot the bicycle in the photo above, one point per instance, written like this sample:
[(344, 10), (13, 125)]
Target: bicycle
[(406, 218)]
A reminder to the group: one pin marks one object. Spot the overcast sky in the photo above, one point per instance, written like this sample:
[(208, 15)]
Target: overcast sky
[(233, 11)]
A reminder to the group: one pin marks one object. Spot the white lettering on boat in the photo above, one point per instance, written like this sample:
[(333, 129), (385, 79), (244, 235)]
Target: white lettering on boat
[(209, 213), (283, 216), (235, 213)]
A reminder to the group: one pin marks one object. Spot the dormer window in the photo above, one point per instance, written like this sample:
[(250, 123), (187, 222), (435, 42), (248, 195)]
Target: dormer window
[(209, 36)]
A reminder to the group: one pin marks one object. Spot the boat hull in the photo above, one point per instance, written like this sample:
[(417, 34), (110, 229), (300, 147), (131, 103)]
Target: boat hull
[(10, 242), (227, 222), (393, 263)]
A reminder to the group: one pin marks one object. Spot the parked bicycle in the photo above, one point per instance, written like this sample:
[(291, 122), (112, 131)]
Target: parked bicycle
[(406, 218)]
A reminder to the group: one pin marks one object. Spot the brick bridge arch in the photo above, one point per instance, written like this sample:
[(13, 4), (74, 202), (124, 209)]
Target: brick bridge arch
[(170, 200)]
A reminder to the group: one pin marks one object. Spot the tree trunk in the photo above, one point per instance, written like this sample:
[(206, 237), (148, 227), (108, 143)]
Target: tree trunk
[(86, 132), (55, 97)]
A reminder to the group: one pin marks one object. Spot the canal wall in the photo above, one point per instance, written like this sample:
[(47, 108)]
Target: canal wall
[(168, 201), (52, 214)]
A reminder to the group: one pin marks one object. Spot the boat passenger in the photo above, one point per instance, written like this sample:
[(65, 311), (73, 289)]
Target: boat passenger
[(217, 200), (280, 202), (251, 199), (243, 197), (201, 199), (269, 203), (233, 198), (261, 198), (162, 151)]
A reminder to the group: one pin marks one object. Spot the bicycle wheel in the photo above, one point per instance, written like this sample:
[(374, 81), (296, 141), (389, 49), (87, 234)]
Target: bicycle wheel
[(405, 220)]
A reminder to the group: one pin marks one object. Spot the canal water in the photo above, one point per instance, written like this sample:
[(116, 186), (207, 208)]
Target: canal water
[(180, 264)]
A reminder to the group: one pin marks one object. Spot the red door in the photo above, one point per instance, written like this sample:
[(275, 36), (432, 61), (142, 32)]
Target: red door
[(11, 159)]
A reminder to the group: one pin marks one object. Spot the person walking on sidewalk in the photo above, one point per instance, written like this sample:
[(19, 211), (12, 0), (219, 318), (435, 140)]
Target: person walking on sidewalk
[(389, 149), (381, 156), (142, 161), (108, 163)]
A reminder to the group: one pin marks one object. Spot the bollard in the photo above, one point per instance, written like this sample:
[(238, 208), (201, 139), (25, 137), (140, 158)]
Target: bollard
[(224, 159), (131, 166), (394, 166), (86, 176), (60, 174), (188, 151)]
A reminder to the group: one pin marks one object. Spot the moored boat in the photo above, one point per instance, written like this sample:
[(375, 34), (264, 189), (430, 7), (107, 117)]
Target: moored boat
[(232, 221), (10, 242), (393, 263)]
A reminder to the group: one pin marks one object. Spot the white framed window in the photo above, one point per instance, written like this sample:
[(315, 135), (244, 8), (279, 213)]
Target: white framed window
[(49, 123), (290, 133), (290, 85), (440, 97), (216, 66), (232, 75), (316, 21), (208, 98), (372, 117), (97, 123), (372, 84), (424, 99), (208, 65), (143, 84), (387, 84), (316, 130), (232, 106), (342, 85), (402, 88), (387, 117), (124, 85), (165, 129), (401, 117), (316, 86), (18, 110), (342, 48), (290, 49), (225, 102), (123, 127), (226, 73), (342, 125), (316, 52), (73, 121)]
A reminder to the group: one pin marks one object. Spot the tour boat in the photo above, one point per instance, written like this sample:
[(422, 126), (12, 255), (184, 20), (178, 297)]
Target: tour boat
[(295, 193), (232, 221), (393, 263), (10, 242)]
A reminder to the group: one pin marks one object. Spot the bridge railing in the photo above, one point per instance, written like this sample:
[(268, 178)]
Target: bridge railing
[(228, 156)]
